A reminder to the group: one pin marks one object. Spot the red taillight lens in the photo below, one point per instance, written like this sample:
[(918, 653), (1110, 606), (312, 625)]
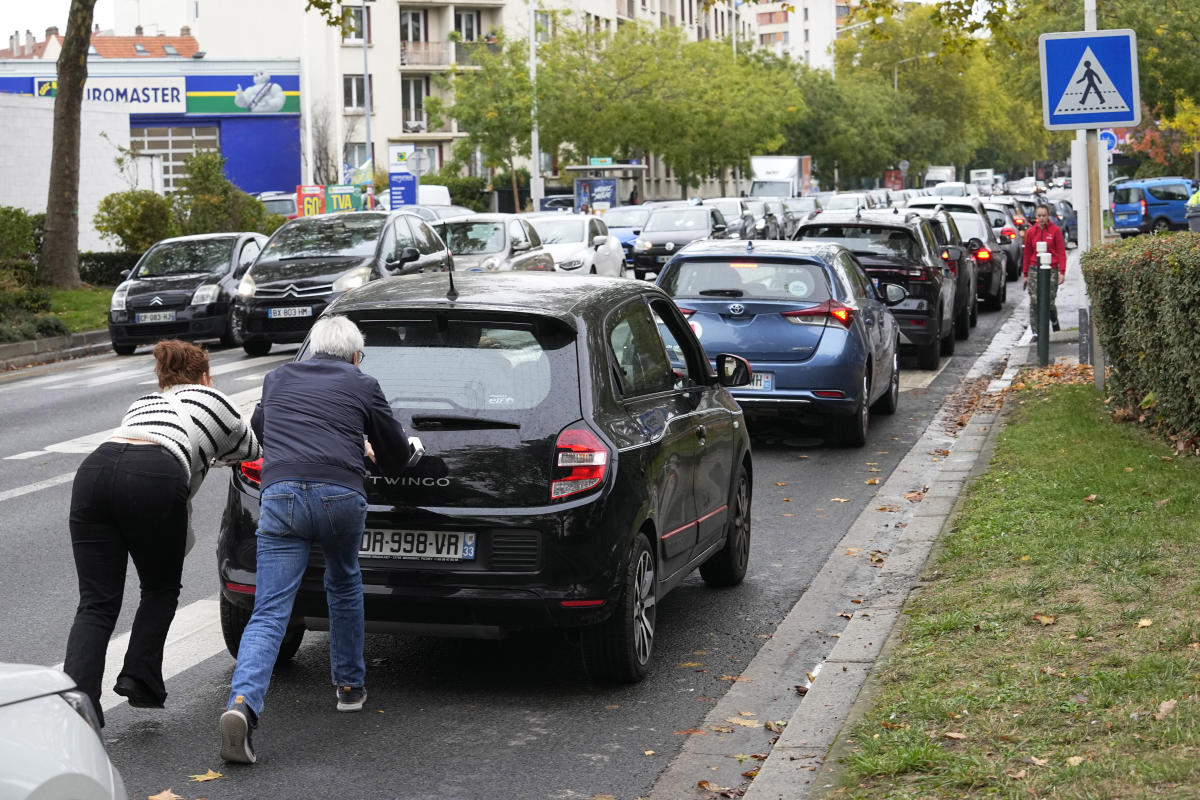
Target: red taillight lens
[(687, 312), (1020, 221), (580, 459), (983, 255), (1142, 203), (817, 315), (829, 393), (252, 471), (1009, 232)]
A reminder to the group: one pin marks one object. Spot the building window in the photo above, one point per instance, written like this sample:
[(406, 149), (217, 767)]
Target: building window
[(356, 154), (140, 49), (352, 26), (174, 145), (467, 25), (170, 50), (353, 91), (412, 104), (412, 25), (544, 21), (806, 13)]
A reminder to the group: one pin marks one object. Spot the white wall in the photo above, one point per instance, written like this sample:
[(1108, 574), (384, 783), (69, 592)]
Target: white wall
[(26, 136)]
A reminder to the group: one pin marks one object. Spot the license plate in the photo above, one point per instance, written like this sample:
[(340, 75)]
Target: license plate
[(157, 316), (418, 545), (762, 380), (1124, 217), (286, 313), (662, 259)]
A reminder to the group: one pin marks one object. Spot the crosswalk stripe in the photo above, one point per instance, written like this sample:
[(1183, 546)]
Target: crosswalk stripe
[(57, 480)]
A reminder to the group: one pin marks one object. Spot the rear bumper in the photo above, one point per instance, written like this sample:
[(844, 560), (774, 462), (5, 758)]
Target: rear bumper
[(796, 387)]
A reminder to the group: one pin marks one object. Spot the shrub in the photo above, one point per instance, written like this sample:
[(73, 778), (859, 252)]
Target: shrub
[(464, 191), (135, 219), (1145, 294), (104, 269), (16, 234), (22, 269)]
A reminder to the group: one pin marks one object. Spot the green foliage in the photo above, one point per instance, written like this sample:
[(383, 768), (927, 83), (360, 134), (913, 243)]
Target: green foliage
[(135, 219), (104, 269), (469, 191), (16, 233), (1145, 294), (20, 307)]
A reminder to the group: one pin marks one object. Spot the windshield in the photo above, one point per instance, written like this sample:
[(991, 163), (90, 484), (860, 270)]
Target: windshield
[(282, 205), (559, 231), (470, 237), (759, 279), (872, 240), (950, 189), (839, 201), (187, 258), (325, 237), (677, 219), (450, 211), (626, 217), (757, 208), (802, 204), (730, 209)]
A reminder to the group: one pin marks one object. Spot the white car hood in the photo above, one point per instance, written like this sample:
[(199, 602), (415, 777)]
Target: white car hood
[(565, 251), (23, 681)]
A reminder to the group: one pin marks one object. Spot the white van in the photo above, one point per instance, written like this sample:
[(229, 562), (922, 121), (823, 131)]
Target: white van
[(433, 195)]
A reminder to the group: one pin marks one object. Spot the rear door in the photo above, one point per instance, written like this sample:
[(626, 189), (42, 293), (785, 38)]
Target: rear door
[(872, 311), (1127, 206)]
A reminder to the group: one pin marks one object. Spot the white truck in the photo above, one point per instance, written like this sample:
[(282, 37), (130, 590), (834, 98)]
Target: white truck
[(776, 176), (983, 178), (939, 174)]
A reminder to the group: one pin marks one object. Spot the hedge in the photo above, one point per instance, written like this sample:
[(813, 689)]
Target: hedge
[(1145, 295), (104, 269)]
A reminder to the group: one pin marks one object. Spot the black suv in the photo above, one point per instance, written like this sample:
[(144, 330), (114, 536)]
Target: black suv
[(309, 261), (581, 459), (669, 228), (899, 248), (958, 256), (975, 230)]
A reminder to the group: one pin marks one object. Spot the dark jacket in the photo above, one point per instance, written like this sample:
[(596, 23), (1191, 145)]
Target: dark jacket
[(312, 419)]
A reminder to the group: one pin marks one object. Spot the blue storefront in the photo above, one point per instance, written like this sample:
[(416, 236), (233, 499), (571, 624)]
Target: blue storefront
[(249, 110)]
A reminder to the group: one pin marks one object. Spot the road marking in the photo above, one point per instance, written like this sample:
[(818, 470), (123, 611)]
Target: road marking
[(233, 366), (26, 454), (920, 379), (194, 637), (58, 480)]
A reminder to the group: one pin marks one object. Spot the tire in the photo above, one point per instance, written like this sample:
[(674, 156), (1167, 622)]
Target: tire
[(947, 348), (233, 623), (727, 566), (851, 431), (1013, 271), (927, 355), (235, 330), (1161, 225), (890, 400), (962, 323), (124, 349), (618, 650), (256, 347), (974, 310)]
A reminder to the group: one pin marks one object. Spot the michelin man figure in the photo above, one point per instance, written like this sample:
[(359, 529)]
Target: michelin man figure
[(263, 97)]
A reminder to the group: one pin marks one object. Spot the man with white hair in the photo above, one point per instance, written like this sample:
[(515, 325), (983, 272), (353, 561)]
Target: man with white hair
[(315, 419)]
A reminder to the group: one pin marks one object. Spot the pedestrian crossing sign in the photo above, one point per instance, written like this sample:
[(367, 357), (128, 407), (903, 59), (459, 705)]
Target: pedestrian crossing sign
[(1090, 79)]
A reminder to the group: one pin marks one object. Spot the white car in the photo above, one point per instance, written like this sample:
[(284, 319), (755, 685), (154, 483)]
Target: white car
[(50, 739), (580, 244)]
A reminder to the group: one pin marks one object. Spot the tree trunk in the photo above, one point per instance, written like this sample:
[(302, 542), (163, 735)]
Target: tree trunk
[(59, 264), (512, 170)]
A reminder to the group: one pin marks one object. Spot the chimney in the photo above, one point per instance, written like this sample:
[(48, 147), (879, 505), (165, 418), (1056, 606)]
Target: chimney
[(185, 31), (13, 42), (137, 31), (51, 31), (29, 41)]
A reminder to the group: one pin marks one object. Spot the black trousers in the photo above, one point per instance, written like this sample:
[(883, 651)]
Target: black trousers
[(128, 500)]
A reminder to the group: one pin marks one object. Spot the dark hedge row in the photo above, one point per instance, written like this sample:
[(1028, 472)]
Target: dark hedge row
[(104, 269), (1145, 295)]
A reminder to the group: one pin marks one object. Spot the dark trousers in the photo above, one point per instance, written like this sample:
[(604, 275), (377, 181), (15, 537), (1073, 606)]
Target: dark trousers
[(128, 500)]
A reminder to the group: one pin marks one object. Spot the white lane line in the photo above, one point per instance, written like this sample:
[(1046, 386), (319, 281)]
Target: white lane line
[(246, 363), (920, 379), (35, 487), (195, 636), (26, 454)]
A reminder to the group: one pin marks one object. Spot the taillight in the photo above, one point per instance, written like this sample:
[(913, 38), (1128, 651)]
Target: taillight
[(817, 315), (983, 255), (1142, 203), (687, 312), (252, 471), (1009, 232), (580, 459), (1020, 221)]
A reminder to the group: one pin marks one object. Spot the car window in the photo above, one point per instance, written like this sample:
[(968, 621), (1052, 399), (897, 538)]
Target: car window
[(281, 205), (517, 232), (427, 240), (560, 230), (595, 228), (677, 219), (194, 257), (717, 218), (470, 237), (686, 365), (402, 235), (778, 280), (859, 284), (873, 240), (971, 226), (1127, 194), (641, 361), (250, 251), (352, 234), (626, 217), (1170, 191), (931, 234)]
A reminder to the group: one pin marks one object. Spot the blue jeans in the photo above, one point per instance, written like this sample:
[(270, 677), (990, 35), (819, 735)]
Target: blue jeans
[(293, 515)]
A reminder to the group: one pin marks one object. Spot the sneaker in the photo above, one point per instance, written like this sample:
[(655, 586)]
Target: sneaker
[(351, 698), (237, 724)]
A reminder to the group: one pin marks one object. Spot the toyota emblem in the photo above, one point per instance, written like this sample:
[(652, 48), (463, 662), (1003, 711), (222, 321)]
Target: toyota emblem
[(737, 308)]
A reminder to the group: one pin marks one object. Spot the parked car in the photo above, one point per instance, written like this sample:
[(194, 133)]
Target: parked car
[(1063, 215), (309, 261), (52, 745), (625, 223), (581, 459), (432, 213), (818, 333), (558, 202), (1004, 225), (951, 245), (669, 228), (183, 288), (1153, 204), (282, 203), (739, 218), (955, 189), (991, 260), (803, 208), (787, 221), (494, 243), (579, 243), (849, 200), (900, 248), (1017, 210)]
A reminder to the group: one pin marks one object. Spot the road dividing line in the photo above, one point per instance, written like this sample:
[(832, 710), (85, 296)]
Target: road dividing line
[(58, 480)]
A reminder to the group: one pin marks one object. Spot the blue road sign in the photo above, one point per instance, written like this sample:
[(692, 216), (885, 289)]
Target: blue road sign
[(402, 189), (1109, 140), (1090, 80)]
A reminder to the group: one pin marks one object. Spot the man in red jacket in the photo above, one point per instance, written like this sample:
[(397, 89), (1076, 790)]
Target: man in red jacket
[(1043, 230)]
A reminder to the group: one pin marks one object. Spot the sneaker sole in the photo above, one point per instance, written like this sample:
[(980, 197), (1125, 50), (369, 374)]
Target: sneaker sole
[(348, 707), (234, 739)]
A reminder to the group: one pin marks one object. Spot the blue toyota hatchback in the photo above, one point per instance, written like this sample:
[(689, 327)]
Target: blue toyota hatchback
[(817, 331)]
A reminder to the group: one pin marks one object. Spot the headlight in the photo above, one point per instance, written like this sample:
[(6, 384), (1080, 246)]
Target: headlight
[(352, 279), (246, 287), (118, 298), (83, 706), (760, 224), (641, 244), (206, 294), (490, 264), (574, 263)]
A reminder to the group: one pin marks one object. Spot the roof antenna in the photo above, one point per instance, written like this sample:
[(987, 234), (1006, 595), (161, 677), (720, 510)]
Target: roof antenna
[(452, 294)]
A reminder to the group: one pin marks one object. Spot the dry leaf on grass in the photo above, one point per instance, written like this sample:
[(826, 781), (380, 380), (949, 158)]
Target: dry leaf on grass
[(211, 775), (1145, 622), (1090, 498), (1161, 503), (1075, 761), (1164, 708), (954, 735), (1038, 762), (1045, 619), (1016, 776)]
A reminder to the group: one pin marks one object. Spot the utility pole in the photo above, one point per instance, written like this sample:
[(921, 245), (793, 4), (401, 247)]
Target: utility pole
[(367, 99), (536, 191)]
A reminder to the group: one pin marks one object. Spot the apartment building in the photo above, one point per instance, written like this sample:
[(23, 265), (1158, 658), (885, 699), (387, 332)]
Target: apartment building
[(803, 29)]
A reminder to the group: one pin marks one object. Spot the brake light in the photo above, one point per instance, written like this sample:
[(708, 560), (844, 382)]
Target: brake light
[(1020, 221), (983, 255), (687, 312), (817, 315), (1009, 232), (252, 471), (1142, 203), (580, 460)]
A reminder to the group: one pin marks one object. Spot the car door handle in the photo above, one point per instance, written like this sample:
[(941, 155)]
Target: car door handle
[(700, 434)]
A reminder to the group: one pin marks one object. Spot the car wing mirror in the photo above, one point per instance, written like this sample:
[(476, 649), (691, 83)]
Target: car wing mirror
[(975, 243), (952, 253), (407, 255), (733, 370), (599, 241), (125, 273), (520, 247), (416, 451), (894, 294)]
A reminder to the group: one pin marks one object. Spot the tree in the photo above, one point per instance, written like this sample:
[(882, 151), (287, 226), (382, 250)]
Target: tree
[(59, 264)]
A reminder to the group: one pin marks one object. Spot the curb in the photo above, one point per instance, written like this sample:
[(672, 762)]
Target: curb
[(16, 355)]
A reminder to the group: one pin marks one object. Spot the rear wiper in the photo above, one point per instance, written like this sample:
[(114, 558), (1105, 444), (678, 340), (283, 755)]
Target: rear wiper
[(722, 293), (454, 422)]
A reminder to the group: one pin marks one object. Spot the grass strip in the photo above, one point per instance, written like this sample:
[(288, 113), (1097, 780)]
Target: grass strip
[(1054, 649), (82, 309)]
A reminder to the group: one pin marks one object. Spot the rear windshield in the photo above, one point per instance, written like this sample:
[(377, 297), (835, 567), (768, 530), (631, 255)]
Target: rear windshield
[(759, 279), (970, 226), (871, 240), (1127, 194), (199, 256), (626, 217), (840, 201), (560, 230), (316, 237), (281, 205), (469, 366), (677, 219)]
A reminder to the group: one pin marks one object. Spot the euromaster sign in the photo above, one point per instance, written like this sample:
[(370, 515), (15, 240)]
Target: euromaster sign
[(260, 92), (138, 95)]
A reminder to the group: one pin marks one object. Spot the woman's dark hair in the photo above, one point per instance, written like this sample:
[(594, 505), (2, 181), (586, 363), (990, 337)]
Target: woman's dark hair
[(179, 363)]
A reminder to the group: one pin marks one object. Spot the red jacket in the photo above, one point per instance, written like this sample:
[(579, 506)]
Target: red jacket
[(1055, 246)]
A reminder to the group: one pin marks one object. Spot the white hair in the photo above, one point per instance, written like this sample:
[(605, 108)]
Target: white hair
[(336, 336)]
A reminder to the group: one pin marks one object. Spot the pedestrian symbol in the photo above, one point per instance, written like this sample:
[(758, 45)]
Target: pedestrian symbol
[(1090, 89)]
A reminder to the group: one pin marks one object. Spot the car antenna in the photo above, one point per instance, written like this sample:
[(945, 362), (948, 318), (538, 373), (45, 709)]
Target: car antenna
[(749, 245), (452, 293)]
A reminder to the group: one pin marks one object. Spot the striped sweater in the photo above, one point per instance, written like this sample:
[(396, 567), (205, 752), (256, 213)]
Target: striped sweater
[(223, 434)]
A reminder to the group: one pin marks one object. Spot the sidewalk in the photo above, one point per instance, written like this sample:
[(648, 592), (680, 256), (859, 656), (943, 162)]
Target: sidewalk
[(16, 355)]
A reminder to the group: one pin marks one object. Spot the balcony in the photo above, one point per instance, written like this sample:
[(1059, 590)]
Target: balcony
[(465, 52), (425, 54)]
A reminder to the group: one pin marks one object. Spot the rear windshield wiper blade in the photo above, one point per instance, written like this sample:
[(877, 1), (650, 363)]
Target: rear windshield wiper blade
[(455, 422), (722, 293)]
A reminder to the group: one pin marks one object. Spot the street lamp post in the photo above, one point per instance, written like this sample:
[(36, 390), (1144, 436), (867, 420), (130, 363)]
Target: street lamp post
[(536, 190), (896, 68)]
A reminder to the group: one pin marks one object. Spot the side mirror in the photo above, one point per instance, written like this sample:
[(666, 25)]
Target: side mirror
[(521, 246), (952, 253), (599, 241), (733, 370), (125, 273), (718, 229), (975, 243), (407, 255), (893, 294)]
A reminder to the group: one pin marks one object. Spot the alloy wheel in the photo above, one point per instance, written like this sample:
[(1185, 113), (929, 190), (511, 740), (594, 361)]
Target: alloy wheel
[(644, 607)]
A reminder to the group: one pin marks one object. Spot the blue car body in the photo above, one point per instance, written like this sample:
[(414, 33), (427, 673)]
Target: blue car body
[(630, 220), (1153, 204), (819, 337)]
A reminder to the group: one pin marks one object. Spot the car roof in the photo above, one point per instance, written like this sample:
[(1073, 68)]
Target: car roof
[(1155, 181), (199, 237), (499, 216), (870, 216), (772, 248)]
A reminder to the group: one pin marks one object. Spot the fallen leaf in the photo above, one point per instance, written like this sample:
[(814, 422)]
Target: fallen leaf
[(888, 508), (811, 678), (914, 497), (775, 726), (1129, 469), (165, 794), (720, 728), (852, 551), (892, 726), (709, 786), (691, 732), (211, 775), (747, 714), (939, 452), (1039, 762), (844, 614), (612, 707), (1164, 708), (751, 773), (602, 797), (780, 483), (1023, 558), (1075, 761), (871, 481), (647, 752), (1161, 503), (690, 664), (1045, 619), (801, 690), (787, 499), (1193, 645), (745, 723), (839, 499), (734, 678), (874, 469), (1016, 776), (1090, 498), (787, 515), (856, 600), (954, 735), (1145, 622)]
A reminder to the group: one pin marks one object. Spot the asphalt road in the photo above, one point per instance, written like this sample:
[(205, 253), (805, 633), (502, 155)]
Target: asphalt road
[(445, 718)]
